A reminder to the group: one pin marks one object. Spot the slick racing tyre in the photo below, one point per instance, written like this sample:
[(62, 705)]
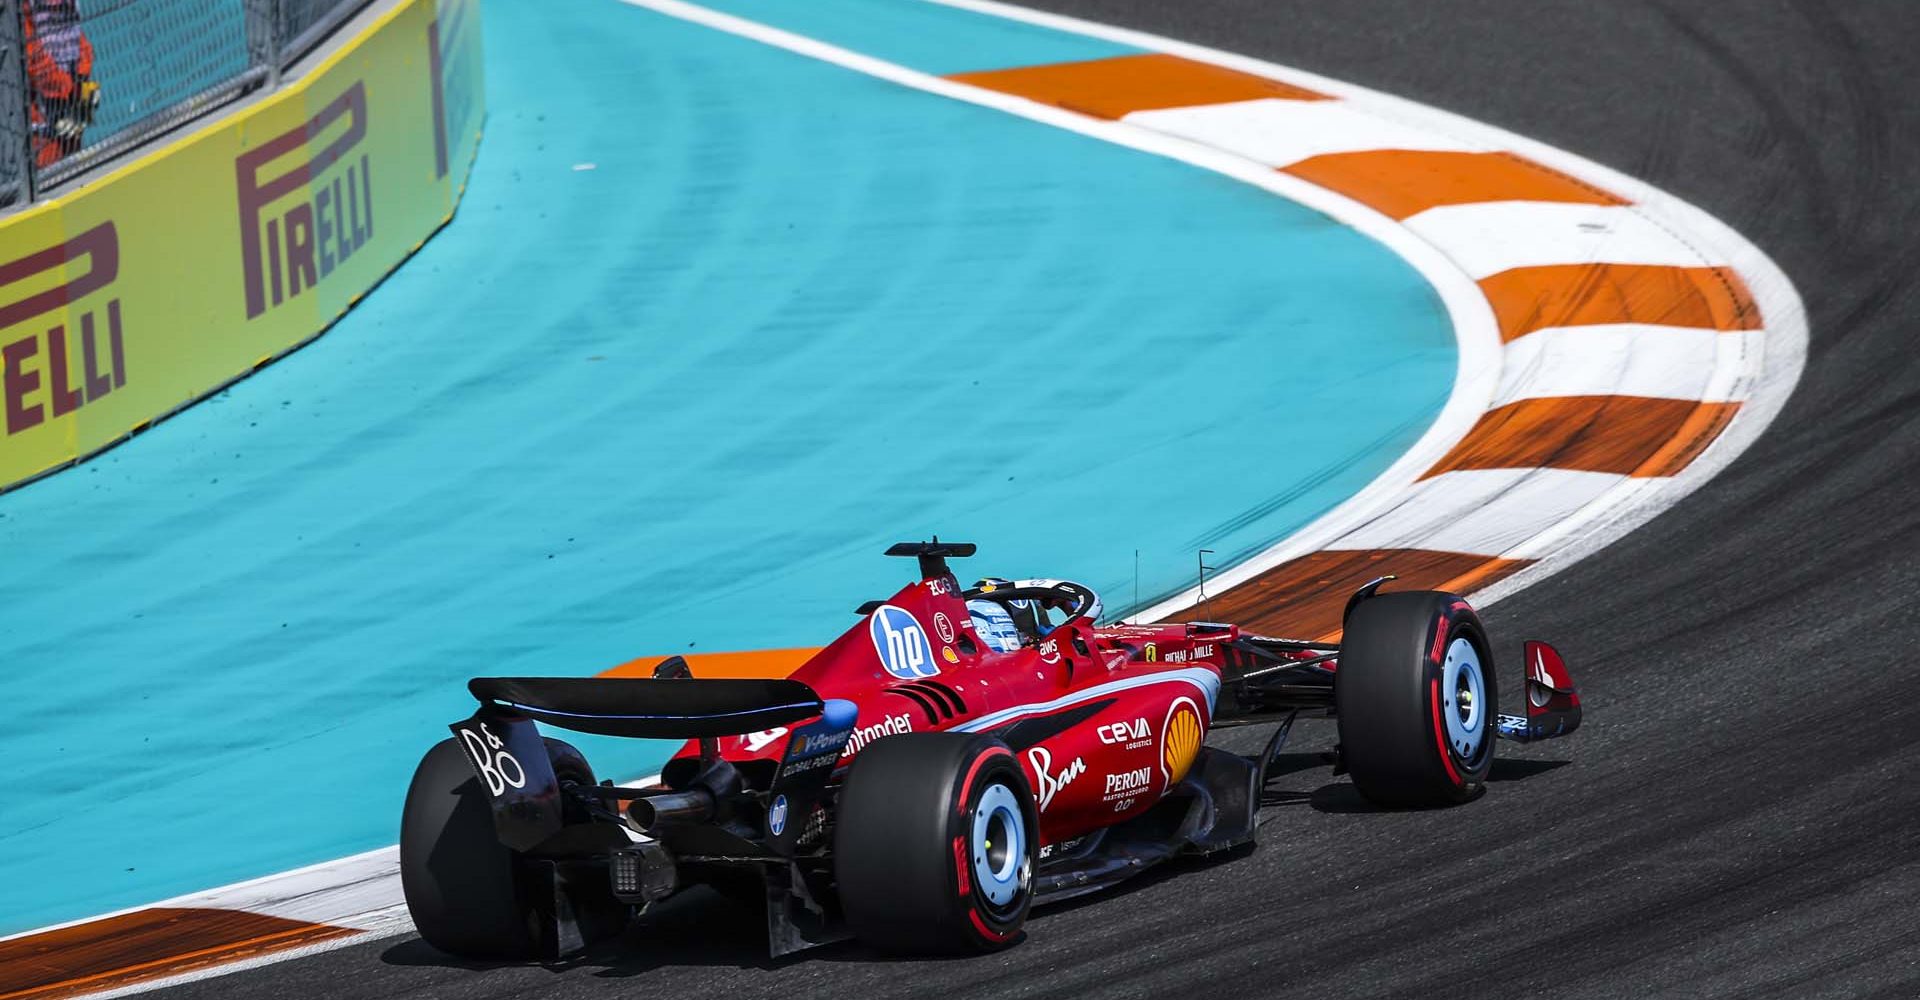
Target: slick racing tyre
[(934, 844), (461, 884), (1415, 699)]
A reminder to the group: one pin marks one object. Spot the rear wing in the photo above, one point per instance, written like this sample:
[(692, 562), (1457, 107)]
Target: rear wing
[(510, 759), (656, 708)]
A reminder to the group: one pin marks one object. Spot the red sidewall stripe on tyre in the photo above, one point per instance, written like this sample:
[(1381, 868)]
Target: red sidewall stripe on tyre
[(1440, 738)]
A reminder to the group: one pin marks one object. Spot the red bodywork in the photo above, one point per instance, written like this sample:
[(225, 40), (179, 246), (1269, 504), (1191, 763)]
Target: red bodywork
[(1129, 704)]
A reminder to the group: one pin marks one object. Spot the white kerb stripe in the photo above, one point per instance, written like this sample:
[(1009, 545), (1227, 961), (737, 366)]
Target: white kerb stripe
[(1739, 356), (1278, 132), (1480, 511), (362, 892), (1618, 359), (1490, 237)]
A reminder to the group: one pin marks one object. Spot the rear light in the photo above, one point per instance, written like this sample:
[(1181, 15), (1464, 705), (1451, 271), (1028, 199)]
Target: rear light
[(642, 873)]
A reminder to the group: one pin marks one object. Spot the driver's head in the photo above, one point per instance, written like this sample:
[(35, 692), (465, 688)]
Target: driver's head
[(994, 625), (1004, 625)]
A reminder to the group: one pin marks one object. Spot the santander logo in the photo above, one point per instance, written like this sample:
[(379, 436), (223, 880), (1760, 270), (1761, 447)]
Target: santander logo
[(892, 725)]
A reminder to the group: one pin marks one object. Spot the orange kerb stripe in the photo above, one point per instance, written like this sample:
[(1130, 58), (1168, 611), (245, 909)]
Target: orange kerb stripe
[(143, 945), (1303, 597), (1526, 299), (1112, 88), (1626, 435), (773, 663), (1405, 182), (1703, 425)]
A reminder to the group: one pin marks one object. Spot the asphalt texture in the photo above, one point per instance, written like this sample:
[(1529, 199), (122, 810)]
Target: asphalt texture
[(1738, 818)]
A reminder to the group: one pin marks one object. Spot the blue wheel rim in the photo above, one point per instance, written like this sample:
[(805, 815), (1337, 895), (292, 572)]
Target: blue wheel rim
[(997, 847), (1463, 691)]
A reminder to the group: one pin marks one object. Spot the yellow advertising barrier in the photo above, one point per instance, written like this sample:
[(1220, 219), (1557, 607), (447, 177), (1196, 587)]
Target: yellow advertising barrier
[(156, 285)]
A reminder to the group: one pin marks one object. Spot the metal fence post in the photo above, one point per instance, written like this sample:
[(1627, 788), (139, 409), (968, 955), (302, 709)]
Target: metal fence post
[(263, 37), (16, 151)]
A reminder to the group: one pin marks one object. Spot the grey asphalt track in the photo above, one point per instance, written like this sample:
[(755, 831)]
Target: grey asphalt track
[(1741, 816)]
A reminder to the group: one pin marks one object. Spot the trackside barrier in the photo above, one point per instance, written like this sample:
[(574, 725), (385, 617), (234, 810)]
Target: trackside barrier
[(135, 295)]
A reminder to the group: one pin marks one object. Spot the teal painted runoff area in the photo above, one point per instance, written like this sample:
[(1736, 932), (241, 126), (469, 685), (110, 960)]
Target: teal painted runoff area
[(922, 35), (714, 325)]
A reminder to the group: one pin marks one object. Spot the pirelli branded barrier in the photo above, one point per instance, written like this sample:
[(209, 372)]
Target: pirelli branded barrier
[(171, 276)]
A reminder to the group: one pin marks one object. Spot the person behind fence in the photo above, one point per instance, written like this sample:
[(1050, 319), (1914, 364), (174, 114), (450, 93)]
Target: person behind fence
[(62, 95)]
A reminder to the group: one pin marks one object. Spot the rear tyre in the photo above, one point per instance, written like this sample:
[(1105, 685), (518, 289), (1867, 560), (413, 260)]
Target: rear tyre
[(1415, 698), (462, 886), (934, 844), (458, 879)]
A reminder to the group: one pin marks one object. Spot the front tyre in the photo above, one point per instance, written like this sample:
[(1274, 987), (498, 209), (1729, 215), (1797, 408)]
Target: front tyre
[(934, 844), (1415, 698)]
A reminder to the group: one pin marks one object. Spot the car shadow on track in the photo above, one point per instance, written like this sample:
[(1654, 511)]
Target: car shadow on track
[(696, 928), (1282, 766), (701, 928), (1342, 797)]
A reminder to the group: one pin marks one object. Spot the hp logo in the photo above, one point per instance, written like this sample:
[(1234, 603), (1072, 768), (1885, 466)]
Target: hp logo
[(901, 644)]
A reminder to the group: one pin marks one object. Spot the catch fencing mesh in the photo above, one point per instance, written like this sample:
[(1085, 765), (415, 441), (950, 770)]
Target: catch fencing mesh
[(82, 81)]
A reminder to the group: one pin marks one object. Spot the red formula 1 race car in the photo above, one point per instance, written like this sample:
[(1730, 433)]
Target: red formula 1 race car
[(953, 759)]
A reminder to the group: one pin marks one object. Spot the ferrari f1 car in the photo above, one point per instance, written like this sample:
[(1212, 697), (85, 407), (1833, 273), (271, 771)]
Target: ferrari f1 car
[(953, 759)]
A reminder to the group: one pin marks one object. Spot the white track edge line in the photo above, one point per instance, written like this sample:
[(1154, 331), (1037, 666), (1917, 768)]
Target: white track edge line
[(1769, 379)]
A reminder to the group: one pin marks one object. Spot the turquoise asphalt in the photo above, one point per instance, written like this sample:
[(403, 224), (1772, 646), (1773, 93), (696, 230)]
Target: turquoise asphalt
[(678, 401)]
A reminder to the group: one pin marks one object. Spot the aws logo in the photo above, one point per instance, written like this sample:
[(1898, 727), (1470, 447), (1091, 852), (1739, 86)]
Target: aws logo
[(1180, 739), (56, 369)]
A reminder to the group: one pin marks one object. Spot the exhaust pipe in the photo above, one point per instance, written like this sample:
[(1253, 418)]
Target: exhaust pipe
[(692, 806)]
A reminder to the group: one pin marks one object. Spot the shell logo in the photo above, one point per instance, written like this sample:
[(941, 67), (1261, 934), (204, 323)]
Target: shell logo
[(1180, 739)]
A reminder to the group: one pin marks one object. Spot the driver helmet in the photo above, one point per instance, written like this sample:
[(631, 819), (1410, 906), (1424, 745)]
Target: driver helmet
[(994, 626), (994, 621)]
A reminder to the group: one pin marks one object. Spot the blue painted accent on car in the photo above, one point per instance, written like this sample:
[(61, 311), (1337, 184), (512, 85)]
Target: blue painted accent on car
[(839, 713)]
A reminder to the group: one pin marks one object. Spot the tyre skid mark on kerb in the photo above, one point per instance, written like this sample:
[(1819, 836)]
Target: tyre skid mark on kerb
[(1402, 183), (99, 955), (1596, 293), (1208, 108)]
